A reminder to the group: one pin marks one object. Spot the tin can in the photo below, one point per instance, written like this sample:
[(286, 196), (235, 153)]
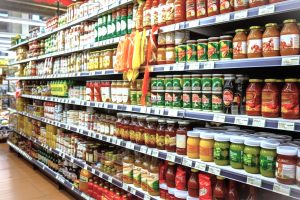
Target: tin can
[(217, 101), (217, 82), (191, 51), (160, 98), (177, 82), (177, 99), (153, 83), (133, 97), (196, 100), (169, 82), (213, 48), (226, 47), (202, 50), (206, 100), (196, 82), (160, 83), (187, 83), (187, 99), (153, 97), (206, 82), (181, 53), (169, 98), (138, 97)]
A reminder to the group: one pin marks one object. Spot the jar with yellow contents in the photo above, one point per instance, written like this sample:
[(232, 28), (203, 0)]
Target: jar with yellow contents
[(193, 144), (206, 146)]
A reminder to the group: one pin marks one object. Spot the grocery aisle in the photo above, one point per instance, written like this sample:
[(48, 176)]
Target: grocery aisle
[(18, 180)]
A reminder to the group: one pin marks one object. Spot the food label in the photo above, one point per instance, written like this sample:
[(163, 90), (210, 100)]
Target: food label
[(177, 99), (225, 4), (196, 83), (201, 8), (254, 46), (169, 83), (154, 16), (227, 97), (181, 53), (213, 51), (271, 44), (206, 101), (217, 84), (160, 99), (153, 182), (153, 84), (191, 52), (190, 9), (240, 3), (285, 171), (177, 83), (268, 163), (196, 101), (240, 48), (187, 84), (160, 140), (290, 103), (212, 6), (202, 52), (251, 160), (147, 18), (161, 14), (253, 101), (187, 100), (168, 99), (133, 97), (144, 176), (181, 141), (270, 102), (236, 156), (170, 11), (139, 138), (170, 140), (226, 50), (127, 171), (205, 151), (137, 173), (221, 153), (290, 41), (206, 84), (217, 102)]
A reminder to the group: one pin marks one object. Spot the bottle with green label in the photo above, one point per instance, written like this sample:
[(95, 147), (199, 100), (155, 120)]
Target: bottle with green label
[(267, 159), (251, 155), (109, 24), (221, 149), (104, 27), (100, 28), (236, 152), (118, 23), (113, 24)]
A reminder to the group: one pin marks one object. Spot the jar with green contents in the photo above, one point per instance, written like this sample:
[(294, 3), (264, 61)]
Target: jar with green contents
[(169, 98), (177, 98), (187, 99), (154, 83), (217, 82), (202, 50), (191, 51), (160, 82), (213, 48), (267, 158), (168, 82), (226, 47), (196, 100), (160, 98), (236, 152), (187, 82), (177, 82), (221, 149), (181, 53), (196, 82), (251, 155), (206, 100), (217, 101), (206, 82)]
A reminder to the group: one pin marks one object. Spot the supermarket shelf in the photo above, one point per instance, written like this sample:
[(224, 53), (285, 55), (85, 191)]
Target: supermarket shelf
[(11, 110), (128, 187), (226, 171), (75, 22), (11, 93), (244, 120), (286, 6), (50, 172)]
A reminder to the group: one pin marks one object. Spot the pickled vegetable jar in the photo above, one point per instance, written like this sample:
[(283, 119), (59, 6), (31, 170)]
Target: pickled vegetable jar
[(236, 152), (267, 159), (251, 155), (221, 149)]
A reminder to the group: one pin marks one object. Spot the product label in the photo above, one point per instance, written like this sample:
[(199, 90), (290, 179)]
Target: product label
[(206, 101), (204, 151), (132, 135), (240, 3), (217, 102), (271, 44), (224, 4), (147, 18), (253, 101), (144, 177), (181, 53), (168, 99), (270, 102), (226, 49), (217, 84), (190, 9), (153, 182), (169, 83), (251, 160), (201, 8), (227, 97), (236, 156), (289, 103), (170, 11), (187, 84), (212, 6), (127, 171), (202, 52), (160, 99), (160, 85), (240, 48), (196, 101), (206, 84), (213, 51), (137, 173), (290, 41), (181, 141), (221, 153), (177, 99), (187, 100), (139, 137), (285, 171), (160, 140), (191, 53), (161, 14), (268, 163), (254, 46), (177, 83), (154, 16), (196, 84)]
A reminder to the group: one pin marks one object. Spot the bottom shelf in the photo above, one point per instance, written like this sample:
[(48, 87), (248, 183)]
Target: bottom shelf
[(50, 172)]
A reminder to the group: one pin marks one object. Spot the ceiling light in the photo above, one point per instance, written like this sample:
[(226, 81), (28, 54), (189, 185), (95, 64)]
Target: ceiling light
[(21, 21)]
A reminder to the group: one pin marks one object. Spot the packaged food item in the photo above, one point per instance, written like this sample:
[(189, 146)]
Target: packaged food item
[(202, 48), (205, 186), (289, 38), (251, 155), (191, 51), (228, 92), (216, 101), (180, 11), (240, 44), (193, 144), (213, 49), (226, 47), (206, 146), (160, 134), (196, 100), (253, 97), (187, 99), (171, 136), (254, 42), (193, 184), (213, 7), (161, 55), (256, 3), (270, 99), (181, 137), (162, 9), (128, 163), (271, 41), (221, 149), (170, 12), (181, 53), (241, 4), (201, 8), (290, 100), (226, 6), (236, 152), (153, 177), (170, 54), (190, 9), (267, 159)]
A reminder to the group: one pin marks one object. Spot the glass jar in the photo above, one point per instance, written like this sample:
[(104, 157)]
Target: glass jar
[(181, 135), (226, 6), (202, 48), (240, 44), (193, 144), (180, 10), (289, 38), (271, 41), (213, 7), (132, 127), (267, 158), (170, 175), (191, 51), (290, 99), (150, 132), (226, 47), (118, 125), (221, 149), (213, 49), (160, 134), (170, 132), (270, 99), (236, 152), (170, 54), (125, 125), (251, 155), (140, 129), (241, 4), (253, 97), (256, 3), (206, 146), (190, 9), (161, 55), (254, 42)]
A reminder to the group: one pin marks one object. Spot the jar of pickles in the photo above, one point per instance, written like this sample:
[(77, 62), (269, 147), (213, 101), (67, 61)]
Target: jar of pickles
[(236, 152), (251, 155), (221, 149)]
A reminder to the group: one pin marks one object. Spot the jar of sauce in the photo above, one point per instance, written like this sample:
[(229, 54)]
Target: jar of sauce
[(170, 12), (170, 54), (270, 99), (128, 162), (289, 38), (160, 134), (271, 41), (256, 3), (253, 97), (170, 175), (240, 44), (150, 132), (190, 9), (193, 144), (181, 136), (275, 1), (125, 126), (171, 136), (132, 127), (226, 47), (161, 55), (221, 149), (213, 7), (286, 164), (153, 177), (118, 125), (140, 129), (147, 15), (179, 10), (290, 99), (193, 184), (254, 42), (226, 6), (201, 9), (206, 146), (137, 169)]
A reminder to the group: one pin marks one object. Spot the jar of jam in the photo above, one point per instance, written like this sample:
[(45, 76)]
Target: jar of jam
[(226, 6), (286, 164), (289, 38), (125, 126), (140, 129), (254, 42), (213, 7), (160, 134), (256, 3), (150, 132), (270, 99), (170, 54), (290, 99), (253, 97), (170, 132), (181, 136), (240, 44), (271, 40), (118, 125), (132, 127)]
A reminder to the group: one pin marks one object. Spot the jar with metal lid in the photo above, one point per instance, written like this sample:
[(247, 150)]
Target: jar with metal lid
[(170, 54), (132, 127), (150, 132), (177, 98), (271, 41), (170, 38), (160, 82), (140, 129), (170, 142), (236, 152), (221, 149), (240, 44), (161, 55), (193, 140), (181, 53), (213, 49), (251, 155), (125, 125), (125, 93), (118, 125), (254, 42), (289, 38), (202, 48), (226, 47), (191, 51), (160, 134), (267, 159), (181, 136), (177, 82), (168, 82)]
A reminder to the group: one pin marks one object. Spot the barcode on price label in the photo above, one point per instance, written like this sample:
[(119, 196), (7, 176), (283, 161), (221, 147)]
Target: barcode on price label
[(259, 122), (268, 9), (214, 170), (178, 67), (200, 166), (282, 189), (155, 153), (209, 65), (219, 118), (254, 181), (143, 149), (171, 157), (173, 113), (187, 162), (289, 126)]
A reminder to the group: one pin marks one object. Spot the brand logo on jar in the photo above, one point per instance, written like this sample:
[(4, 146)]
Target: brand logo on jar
[(225, 49), (200, 51), (216, 99), (224, 4), (211, 50), (196, 98), (205, 99), (227, 97), (181, 53), (237, 47), (186, 98), (168, 97), (189, 52)]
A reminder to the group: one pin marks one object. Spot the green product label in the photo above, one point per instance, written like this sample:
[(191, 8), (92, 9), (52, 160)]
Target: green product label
[(129, 24), (187, 100), (148, 99), (206, 101), (137, 173), (196, 101), (177, 99), (191, 53), (202, 52), (160, 99), (138, 97), (268, 163), (133, 97), (113, 28), (169, 83), (217, 103), (217, 84), (221, 153), (196, 84), (177, 83), (153, 84), (160, 85), (118, 26), (236, 156), (206, 84), (153, 98), (251, 160), (181, 53), (213, 51), (168, 99), (123, 25), (187, 84), (226, 50)]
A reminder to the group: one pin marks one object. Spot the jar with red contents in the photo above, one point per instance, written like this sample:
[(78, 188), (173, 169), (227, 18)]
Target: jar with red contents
[(125, 126), (275, 1), (253, 97), (290, 99), (191, 10), (270, 99), (89, 91), (170, 175), (132, 127), (150, 132), (226, 6), (97, 94), (201, 9), (193, 184), (179, 15), (170, 132), (213, 7), (181, 136), (119, 125), (256, 3), (241, 4), (140, 129), (160, 134)]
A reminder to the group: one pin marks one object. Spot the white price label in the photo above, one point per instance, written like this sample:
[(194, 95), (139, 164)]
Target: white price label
[(282, 189), (241, 14), (292, 60), (93, 171), (110, 179), (72, 188), (219, 118), (132, 146), (268, 9), (129, 108), (254, 181), (148, 110), (133, 191), (200, 166), (193, 66), (241, 121), (258, 122), (147, 197), (149, 151), (125, 187), (187, 162), (72, 160), (214, 170), (193, 23), (85, 167), (170, 157), (209, 65), (155, 152), (156, 111), (289, 126), (143, 109), (113, 140), (178, 67), (119, 142), (143, 149), (167, 68), (173, 113), (128, 145), (223, 18), (60, 178), (85, 196)]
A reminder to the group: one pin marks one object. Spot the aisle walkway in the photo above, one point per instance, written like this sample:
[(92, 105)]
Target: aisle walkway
[(18, 180)]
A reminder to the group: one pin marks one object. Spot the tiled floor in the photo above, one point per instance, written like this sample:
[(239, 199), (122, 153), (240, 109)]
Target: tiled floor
[(18, 180)]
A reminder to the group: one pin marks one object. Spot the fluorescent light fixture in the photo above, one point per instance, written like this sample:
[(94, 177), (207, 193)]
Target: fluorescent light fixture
[(7, 35), (21, 21), (5, 41)]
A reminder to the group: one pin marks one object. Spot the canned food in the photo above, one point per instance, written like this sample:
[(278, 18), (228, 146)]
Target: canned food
[(168, 82), (177, 82), (217, 82), (191, 51), (181, 53), (213, 48), (160, 98), (177, 99), (168, 98), (187, 83), (206, 82), (160, 85)]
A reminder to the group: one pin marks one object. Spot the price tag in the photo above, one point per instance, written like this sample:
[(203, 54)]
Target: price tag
[(193, 23), (146, 197), (219, 118), (60, 179), (155, 152), (129, 108), (156, 111), (170, 157), (173, 113), (167, 68), (72, 160), (282, 189), (85, 196), (187, 162), (289, 126), (200, 166), (119, 142), (223, 18), (178, 67), (125, 187), (214, 170), (143, 109), (110, 179), (72, 188), (254, 181), (132, 146), (143, 149), (258, 122), (193, 66), (241, 14), (115, 106), (209, 65), (291, 60), (133, 191), (128, 145), (241, 121), (85, 167), (149, 151), (113, 140), (90, 134), (93, 171), (268, 9), (148, 110)]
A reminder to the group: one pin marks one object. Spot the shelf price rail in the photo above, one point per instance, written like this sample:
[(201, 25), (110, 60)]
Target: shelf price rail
[(257, 180)]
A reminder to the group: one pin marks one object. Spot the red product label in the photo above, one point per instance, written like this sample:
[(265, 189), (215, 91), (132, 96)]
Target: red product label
[(212, 6), (290, 103), (196, 98), (227, 97), (180, 180), (201, 8), (205, 187), (270, 102), (253, 101), (186, 98), (190, 9)]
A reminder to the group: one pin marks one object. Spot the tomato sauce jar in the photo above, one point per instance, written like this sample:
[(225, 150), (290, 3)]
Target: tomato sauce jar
[(256, 3), (241, 4), (290, 99), (226, 6), (201, 9), (271, 41), (240, 44), (253, 97), (213, 7), (170, 132), (180, 11), (254, 42), (270, 99), (289, 38)]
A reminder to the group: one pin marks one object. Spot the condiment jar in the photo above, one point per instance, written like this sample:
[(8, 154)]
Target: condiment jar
[(236, 152), (241, 4), (256, 3), (251, 155), (240, 44), (161, 55), (213, 7), (271, 41), (221, 149), (206, 146), (193, 144), (150, 132), (226, 48), (270, 99), (170, 54), (181, 135), (253, 97), (267, 158), (140, 129), (289, 38), (160, 134), (213, 49), (254, 42), (286, 164), (191, 51), (202, 48), (170, 132), (290, 99)]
